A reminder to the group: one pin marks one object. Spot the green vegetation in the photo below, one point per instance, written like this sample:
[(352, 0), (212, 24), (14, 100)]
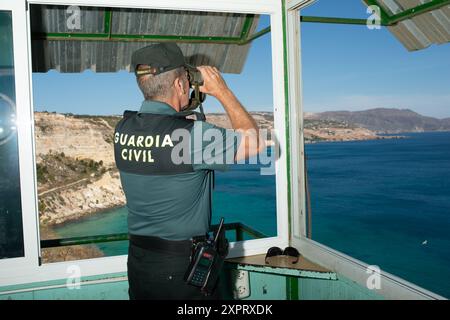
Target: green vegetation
[(314, 124), (99, 120), (314, 138), (41, 206), (109, 138), (56, 169), (42, 173)]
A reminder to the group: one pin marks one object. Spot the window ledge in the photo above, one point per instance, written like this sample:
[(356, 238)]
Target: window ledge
[(281, 265)]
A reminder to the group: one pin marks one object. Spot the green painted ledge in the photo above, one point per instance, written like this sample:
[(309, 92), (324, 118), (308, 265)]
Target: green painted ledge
[(28, 290)]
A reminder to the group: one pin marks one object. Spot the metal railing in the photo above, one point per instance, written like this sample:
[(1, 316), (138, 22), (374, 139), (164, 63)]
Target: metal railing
[(239, 228)]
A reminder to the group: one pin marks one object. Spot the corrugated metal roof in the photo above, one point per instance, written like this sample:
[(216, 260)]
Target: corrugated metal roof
[(69, 55), (423, 30)]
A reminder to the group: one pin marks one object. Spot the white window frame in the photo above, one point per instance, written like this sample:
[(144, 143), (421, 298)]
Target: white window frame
[(25, 142), (27, 269)]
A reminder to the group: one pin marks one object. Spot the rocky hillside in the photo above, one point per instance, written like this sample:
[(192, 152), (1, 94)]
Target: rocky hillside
[(76, 175), (264, 119), (332, 130), (83, 137), (385, 120)]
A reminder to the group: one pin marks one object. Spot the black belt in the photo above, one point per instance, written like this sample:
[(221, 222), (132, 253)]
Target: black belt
[(159, 244)]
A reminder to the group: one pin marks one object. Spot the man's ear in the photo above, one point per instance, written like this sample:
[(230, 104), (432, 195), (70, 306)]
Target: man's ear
[(179, 86)]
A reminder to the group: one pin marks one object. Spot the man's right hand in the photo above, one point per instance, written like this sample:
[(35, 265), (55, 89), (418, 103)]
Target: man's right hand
[(213, 83), (241, 120)]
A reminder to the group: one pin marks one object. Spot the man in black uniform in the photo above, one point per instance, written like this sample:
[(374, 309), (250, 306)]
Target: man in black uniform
[(168, 200)]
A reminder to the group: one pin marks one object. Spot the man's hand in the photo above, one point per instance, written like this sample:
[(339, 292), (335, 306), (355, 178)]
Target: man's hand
[(242, 122), (213, 83)]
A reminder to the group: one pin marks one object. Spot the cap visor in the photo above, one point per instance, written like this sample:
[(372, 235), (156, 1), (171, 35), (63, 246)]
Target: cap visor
[(190, 67)]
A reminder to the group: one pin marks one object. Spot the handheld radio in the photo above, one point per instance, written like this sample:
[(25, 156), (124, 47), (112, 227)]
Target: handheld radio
[(206, 261)]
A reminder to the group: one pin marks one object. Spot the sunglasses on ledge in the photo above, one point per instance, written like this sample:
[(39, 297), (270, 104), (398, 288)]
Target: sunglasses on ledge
[(288, 251)]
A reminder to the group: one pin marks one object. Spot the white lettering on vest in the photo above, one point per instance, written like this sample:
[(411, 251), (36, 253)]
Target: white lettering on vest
[(123, 154), (131, 141), (139, 141), (166, 141)]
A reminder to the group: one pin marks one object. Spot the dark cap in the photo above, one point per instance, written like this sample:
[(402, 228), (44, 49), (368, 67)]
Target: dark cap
[(160, 57)]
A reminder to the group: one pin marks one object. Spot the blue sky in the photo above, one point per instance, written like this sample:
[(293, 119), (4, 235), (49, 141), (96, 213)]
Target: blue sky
[(344, 68)]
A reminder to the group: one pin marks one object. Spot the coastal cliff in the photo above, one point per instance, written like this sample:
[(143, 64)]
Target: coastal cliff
[(83, 137), (76, 174), (81, 198)]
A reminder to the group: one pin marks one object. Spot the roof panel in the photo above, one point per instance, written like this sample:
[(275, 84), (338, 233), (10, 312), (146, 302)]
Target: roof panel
[(58, 51), (422, 30)]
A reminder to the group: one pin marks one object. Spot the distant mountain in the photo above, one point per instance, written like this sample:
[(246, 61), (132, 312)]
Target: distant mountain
[(446, 122), (385, 120)]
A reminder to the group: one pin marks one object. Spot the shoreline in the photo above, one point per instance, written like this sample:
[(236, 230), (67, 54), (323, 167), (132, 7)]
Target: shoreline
[(66, 253), (376, 138), (81, 216)]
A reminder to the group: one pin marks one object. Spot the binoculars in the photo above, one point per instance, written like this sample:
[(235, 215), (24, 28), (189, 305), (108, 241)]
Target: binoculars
[(195, 81)]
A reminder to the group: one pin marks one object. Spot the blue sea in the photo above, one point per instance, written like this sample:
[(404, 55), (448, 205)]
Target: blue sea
[(385, 202)]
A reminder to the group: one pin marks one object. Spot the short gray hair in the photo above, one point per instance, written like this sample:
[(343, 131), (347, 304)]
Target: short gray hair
[(158, 86)]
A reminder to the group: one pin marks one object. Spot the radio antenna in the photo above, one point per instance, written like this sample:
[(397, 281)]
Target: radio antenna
[(219, 230)]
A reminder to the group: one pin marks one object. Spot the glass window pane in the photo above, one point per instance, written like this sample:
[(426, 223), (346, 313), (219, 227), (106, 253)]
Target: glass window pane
[(79, 187), (11, 234), (384, 201)]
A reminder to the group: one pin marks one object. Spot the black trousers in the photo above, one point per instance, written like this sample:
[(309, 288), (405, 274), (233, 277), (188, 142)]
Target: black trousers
[(156, 275)]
